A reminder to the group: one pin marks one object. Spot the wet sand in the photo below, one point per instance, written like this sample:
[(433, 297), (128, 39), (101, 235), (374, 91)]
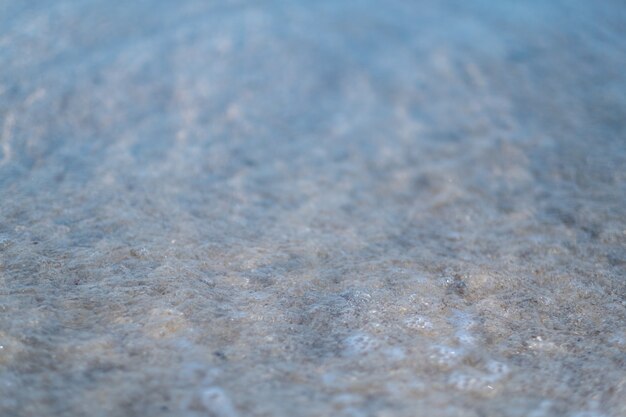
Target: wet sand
[(329, 208)]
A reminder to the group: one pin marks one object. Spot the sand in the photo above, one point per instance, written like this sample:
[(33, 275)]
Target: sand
[(324, 208)]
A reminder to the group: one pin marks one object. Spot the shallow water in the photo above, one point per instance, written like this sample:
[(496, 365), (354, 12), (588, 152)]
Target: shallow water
[(282, 208)]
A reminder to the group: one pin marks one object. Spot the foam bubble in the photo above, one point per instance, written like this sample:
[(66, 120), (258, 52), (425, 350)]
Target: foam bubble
[(497, 369), (446, 356), (361, 344), (215, 400), (418, 322), (466, 382)]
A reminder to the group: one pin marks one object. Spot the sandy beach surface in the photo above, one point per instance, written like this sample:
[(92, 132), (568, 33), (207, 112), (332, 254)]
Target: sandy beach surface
[(322, 208)]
